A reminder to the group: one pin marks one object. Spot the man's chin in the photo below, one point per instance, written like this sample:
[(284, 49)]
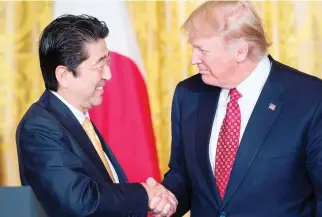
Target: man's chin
[(204, 72), (96, 102), (216, 83), (207, 80)]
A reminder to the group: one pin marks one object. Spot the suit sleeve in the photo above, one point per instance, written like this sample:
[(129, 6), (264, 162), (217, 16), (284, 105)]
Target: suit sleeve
[(177, 179), (57, 176), (314, 157)]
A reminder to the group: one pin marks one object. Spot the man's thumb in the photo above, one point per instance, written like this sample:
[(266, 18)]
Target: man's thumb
[(151, 181)]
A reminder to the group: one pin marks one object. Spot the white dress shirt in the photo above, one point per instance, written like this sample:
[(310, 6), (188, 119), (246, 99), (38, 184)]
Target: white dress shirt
[(250, 89), (80, 116)]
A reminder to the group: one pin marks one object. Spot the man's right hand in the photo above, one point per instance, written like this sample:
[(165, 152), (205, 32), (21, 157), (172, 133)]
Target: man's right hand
[(162, 203)]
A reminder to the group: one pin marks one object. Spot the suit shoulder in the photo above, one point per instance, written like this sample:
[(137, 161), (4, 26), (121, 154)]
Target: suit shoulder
[(297, 74), (38, 117), (195, 84), (194, 81), (299, 81)]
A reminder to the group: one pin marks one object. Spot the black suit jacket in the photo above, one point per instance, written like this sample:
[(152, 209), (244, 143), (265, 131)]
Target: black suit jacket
[(58, 161), (278, 167)]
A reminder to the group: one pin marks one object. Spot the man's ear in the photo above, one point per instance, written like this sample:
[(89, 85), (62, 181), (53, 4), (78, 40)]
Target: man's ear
[(61, 74), (242, 50)]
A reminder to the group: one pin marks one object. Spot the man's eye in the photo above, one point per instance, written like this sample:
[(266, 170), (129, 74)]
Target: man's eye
[(99, 68)]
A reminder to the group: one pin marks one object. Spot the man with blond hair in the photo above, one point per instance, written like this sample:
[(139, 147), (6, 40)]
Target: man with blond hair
[(246, 130)]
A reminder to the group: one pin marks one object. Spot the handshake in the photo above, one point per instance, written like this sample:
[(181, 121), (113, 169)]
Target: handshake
[(162, 203)]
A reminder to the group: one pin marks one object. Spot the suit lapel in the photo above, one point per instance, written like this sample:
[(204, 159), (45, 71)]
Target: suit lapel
[(208, 100), (259, 125), (69, 121)]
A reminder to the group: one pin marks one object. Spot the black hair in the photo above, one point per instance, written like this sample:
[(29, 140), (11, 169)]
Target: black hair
[(63, 42)]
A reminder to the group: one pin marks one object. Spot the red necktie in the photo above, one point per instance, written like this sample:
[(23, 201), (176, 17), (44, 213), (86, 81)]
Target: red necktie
[(228, 142)]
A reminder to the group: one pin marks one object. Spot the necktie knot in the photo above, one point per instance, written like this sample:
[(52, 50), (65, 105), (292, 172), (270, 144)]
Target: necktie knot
[(87, 124), (234, 94)]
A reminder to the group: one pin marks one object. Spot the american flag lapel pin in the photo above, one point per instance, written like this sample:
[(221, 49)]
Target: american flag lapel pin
[(272, 106)]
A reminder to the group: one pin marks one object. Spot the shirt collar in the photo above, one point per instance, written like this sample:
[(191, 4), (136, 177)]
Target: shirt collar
[(254, 83), (251, 87), (80, 116)]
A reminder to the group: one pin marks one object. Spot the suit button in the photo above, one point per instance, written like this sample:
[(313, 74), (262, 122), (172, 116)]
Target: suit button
[(223, 214)]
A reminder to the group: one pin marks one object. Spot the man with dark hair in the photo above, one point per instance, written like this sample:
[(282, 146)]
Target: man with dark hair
[(62, 156)]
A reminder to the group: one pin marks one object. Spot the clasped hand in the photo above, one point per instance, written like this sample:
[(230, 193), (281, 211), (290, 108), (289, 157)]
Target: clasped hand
[(162, 203)]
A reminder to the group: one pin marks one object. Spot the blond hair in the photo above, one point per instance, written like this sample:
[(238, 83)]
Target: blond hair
[(234, 20)]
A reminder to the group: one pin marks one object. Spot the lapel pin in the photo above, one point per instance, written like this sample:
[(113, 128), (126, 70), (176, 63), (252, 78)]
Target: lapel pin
[(272, 106)]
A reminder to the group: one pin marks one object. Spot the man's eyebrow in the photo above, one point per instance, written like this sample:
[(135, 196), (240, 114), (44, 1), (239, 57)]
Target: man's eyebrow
[(101, 58)]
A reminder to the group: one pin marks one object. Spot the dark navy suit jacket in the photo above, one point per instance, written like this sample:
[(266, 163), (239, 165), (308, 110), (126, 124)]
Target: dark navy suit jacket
[(58, 161), (278, 168)]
